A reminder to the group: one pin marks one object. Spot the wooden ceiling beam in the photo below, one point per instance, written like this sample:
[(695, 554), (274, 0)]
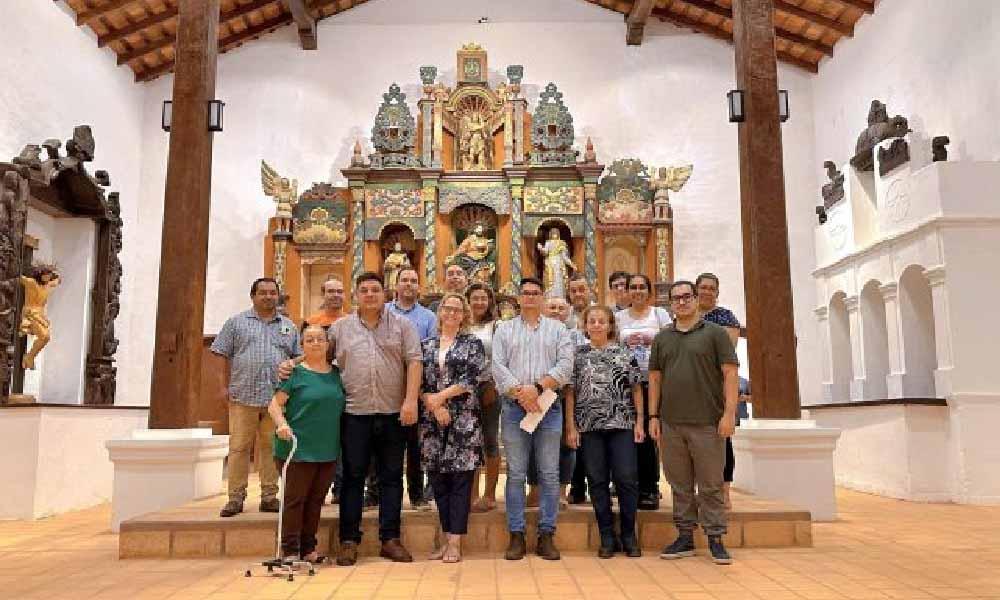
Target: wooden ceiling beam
[(636, 21), (726, 13), (167, 40), (227, 43), (305, 22), (150, 21), (86, 16), (862, 5), (787, 8)]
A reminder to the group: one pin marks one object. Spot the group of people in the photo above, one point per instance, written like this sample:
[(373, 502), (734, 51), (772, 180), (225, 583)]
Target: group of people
[(581, 395)]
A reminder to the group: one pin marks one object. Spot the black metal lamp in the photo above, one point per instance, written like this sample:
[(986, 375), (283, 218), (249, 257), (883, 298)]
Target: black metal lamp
[(166, 114), (783, 105), (737, 112), (215, 108)]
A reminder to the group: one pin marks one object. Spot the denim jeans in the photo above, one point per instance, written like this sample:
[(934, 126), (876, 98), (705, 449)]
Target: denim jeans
[(567, 463), (365, 438), (612, 450), (518, 445)]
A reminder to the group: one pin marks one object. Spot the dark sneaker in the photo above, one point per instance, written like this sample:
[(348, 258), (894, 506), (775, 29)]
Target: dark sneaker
[(630, 547), (231, 509), (718, 551), (421, 505), (682, 547), (649, 502), (395, 551), (546, 547), (371, 503), (577, 499), (608, 547), (269, 505), (517, 548), (347, 556)]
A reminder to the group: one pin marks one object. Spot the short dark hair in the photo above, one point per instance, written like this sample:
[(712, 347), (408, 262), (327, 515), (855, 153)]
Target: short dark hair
[(703, 276), (616, 276), (368, 276), (678, 283), (256, 283), (405, 269), (531, 280), (649, 284)]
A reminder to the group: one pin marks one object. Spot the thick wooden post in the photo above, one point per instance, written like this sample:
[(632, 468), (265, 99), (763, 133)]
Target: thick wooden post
[(175, 391), (766, 271)]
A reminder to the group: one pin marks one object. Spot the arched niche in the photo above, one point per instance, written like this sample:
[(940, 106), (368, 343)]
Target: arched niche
[(876, 341), (392, 234), (916, 313), (840, 348)]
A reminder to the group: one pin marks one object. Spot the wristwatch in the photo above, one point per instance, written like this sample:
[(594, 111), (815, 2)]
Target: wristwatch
[(539, 387)]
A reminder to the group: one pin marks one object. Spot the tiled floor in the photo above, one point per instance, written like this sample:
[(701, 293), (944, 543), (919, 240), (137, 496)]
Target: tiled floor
[(878, 549)]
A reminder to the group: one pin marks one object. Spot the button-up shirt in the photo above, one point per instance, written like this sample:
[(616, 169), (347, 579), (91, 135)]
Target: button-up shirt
[(373, 361), (523, 354), (255, 348), (422, 319)]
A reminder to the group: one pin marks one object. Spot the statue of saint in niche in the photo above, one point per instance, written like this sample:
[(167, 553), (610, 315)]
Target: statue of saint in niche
[(473, 142), (557, 264), (394, 263), (34, 322), (473, 255)]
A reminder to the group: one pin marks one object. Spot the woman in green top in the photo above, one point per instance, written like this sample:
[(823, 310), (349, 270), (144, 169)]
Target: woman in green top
[(309, 404)]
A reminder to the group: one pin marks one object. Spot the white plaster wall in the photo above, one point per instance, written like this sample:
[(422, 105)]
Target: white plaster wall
[(54, 78), (663, 102)]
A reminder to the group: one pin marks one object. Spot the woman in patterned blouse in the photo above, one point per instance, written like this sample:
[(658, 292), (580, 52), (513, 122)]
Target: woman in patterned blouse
[(451, 435), (604, 410)]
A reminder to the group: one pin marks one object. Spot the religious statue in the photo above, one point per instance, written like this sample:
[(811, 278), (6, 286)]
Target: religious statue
[(557, 264), (833, 192), (43, 280), (666, 180), (880, 128), (285, 193), (473, 256), (473, 142), (394, 263)]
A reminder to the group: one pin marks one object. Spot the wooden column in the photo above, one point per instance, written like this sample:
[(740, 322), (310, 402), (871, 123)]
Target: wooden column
[(766, 271), (175, 391)]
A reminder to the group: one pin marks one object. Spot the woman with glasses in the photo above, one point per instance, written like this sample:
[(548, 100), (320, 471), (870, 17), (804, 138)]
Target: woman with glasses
[(482, 301), (637, 326), (451, 436)]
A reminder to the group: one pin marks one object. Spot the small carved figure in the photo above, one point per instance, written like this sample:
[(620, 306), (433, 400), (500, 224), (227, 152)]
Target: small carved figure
[(880, 128), (939, 148), (589, 155), (833, 192), (285, 193), (394, 263), (44, 278), (473, 255), (821, 214), (30, 156), (473, 146), (894, 156), (357, 159), (557, 264)]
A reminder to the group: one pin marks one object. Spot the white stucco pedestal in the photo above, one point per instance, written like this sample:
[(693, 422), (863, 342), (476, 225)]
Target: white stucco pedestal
[(789, 460), (162, 468)]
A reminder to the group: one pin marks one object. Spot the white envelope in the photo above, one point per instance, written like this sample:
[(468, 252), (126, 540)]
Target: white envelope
[(532, 419)]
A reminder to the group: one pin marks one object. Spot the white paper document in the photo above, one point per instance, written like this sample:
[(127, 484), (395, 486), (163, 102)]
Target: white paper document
[(532, 419)]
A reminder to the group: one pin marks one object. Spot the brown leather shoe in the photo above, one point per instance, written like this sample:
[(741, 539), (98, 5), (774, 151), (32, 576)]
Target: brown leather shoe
[(347, 556), (394, 551), (270, 505), (547, 547), (517, 547), (232, 508)]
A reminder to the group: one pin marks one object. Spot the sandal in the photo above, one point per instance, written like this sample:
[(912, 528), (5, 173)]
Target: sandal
[(484, 504), (438, 552), (452, 555)]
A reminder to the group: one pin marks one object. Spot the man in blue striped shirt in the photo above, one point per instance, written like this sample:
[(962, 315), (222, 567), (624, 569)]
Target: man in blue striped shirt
[(531, 354)]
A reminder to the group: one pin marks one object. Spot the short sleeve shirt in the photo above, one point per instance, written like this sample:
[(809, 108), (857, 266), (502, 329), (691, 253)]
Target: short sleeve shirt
[(690, 363), (421, 318), (645, 328), (722, 317), (315, 404), (373, 361), (602, 385), (255, 348)]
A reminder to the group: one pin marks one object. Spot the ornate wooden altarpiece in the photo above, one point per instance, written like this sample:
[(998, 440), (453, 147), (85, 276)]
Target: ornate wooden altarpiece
[(59, 185), (475, 155)]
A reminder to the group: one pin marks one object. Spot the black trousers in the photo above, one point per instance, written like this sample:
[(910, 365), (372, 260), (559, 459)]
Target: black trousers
[(612, 451), (727, 471), (414, 476), (453, 495), (649, 458), (305, 489), (378, 438), (578, 487)]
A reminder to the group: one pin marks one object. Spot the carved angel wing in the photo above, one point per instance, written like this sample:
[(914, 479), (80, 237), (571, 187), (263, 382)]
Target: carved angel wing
[(270, 181), (676, 177)]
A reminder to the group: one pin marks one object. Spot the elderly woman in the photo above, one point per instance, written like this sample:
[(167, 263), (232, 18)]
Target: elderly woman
[(307, 405), (451, 435), (482, 301), (604, 410)]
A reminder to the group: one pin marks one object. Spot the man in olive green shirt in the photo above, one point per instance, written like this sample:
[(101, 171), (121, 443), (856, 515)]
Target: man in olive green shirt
[(693, 380)]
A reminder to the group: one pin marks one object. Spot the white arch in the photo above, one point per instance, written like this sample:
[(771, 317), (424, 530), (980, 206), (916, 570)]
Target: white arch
[(876, 341), (840, 349), (916, 312)]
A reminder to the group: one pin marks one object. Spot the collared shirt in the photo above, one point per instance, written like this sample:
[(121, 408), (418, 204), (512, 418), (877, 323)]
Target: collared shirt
[(373, 361), (523, 354), (423, 320), (323, 319), (255, 348)]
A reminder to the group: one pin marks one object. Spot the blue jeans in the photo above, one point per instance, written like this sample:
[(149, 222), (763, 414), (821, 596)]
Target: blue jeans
[(612, 450), (519, 444), (567, 464)]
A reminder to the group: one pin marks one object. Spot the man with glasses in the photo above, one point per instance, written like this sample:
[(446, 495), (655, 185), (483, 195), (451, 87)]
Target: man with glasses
[(618, 282), (531, 354), (694, 388)]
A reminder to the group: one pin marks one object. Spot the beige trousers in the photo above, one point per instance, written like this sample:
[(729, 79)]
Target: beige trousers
[(247, 424), (695, 455)]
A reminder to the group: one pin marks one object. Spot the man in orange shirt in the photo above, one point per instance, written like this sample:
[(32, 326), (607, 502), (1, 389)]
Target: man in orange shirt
[(332, 307)]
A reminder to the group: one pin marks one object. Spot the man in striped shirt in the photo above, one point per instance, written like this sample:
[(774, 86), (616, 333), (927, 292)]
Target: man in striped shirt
[(531, 354)]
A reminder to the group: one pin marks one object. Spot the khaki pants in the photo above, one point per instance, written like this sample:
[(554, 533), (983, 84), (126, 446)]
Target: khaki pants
[(695, 455), (246, 424)]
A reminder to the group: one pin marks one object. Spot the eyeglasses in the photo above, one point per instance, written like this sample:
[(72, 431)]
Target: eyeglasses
[(618, 286), (452, 309), (531, 293), (641, 286), (682, 299)]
